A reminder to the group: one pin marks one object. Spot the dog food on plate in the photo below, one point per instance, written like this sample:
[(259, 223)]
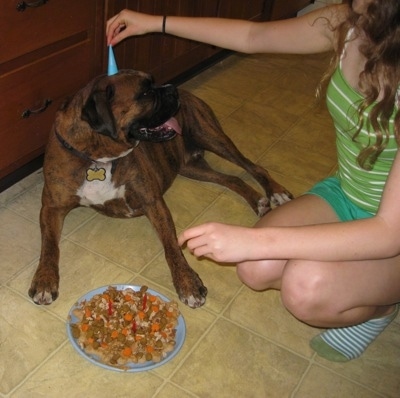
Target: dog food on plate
[(121, 326)]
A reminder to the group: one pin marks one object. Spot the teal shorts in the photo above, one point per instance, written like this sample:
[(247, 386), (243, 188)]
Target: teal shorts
[(330, 190)]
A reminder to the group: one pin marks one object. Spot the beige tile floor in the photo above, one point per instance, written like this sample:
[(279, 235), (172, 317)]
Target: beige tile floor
[(241, 343)]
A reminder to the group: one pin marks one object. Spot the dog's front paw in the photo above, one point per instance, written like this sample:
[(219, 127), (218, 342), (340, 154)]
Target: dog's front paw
[(191, 290), (195, 300), (43, 292)]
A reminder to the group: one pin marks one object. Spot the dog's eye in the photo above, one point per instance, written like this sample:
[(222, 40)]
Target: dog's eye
[(147, 95)]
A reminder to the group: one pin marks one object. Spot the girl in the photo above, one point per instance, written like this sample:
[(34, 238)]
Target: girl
[(334, 252)]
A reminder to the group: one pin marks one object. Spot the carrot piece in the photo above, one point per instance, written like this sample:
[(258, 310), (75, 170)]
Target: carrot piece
[(88, 312), (149, 348), (114, 334), (155, 327), (152, 298), (85, 327), (90, 340), (169, 314), (103, 344), (138, 337), (128, 316), (127, 297), (127, 352), (141, 314), (125, 331), (155, 308)]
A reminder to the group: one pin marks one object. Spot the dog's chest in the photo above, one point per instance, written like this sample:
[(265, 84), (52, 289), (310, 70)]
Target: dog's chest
[(98, 187)]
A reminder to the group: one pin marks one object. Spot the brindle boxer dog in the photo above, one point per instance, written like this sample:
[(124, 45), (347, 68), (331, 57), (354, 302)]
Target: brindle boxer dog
[(101, 153)]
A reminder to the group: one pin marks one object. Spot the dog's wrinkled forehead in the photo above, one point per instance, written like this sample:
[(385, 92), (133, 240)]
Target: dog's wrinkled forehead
[(125, 83), (113, 102)]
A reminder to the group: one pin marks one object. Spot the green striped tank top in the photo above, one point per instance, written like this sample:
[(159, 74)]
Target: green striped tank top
[(362, 187)]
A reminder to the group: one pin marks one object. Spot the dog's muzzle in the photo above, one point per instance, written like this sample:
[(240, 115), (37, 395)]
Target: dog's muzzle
[(161, 125), (164, 132)]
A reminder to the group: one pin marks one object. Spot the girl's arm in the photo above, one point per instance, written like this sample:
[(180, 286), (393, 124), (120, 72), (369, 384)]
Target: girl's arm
[(373, 238), (310, 33)]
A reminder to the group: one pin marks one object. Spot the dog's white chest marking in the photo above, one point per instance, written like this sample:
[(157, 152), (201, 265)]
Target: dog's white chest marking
[(98, 191)]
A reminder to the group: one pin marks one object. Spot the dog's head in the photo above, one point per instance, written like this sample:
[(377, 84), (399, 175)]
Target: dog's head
[(129, 107)]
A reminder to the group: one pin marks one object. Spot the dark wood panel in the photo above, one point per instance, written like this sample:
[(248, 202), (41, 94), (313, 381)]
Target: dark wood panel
[(282, 9), (29, 88), (55, 49), (50, 53), (167, 57), (241, 9), (34, 28)]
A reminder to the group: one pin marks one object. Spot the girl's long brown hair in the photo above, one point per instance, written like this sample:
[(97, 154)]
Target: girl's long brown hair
[(381, 26)]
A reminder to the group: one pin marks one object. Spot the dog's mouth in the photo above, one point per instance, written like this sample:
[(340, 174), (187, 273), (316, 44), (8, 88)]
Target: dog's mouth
[(163, 132)]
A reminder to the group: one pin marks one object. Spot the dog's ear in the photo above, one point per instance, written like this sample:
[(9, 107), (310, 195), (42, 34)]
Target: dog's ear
[(97, 111)]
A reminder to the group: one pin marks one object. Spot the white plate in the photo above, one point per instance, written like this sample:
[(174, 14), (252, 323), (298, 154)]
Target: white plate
[(129, 367)]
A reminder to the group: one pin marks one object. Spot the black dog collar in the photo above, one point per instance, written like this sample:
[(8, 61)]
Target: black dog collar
[(92, 173), (74, 151)]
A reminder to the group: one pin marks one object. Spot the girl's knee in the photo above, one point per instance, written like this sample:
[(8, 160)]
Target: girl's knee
[(248, 274), (260, 275), (302, 292)]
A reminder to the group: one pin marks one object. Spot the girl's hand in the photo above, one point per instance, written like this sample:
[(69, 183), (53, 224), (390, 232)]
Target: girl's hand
[(219, 242), (130, 23)]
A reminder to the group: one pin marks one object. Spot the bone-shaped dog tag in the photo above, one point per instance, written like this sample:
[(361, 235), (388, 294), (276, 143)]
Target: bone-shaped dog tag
[(96, 174)]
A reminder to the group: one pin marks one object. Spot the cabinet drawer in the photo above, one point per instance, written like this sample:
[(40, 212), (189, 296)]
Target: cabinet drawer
[(53, 78), (23, 32)]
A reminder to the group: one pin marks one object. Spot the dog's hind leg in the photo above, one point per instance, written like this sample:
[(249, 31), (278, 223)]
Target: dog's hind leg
[(197, 168), (203, 132), (226, 149)]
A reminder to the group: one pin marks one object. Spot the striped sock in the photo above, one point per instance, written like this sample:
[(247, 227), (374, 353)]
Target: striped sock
[(344, 344)]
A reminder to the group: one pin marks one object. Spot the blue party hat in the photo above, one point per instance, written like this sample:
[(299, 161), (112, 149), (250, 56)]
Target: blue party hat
[(112, 65)]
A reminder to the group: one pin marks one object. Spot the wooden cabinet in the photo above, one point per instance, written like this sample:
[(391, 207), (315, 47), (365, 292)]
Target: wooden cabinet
[(254, 10), (49, 49), (282, 9), (166, 57)]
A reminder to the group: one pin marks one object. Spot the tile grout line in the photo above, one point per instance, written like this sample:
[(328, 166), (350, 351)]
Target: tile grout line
[(37, 368), (218, 316), (303, 376)]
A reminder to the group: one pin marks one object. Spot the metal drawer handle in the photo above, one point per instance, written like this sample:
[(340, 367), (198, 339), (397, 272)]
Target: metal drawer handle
[(23, 5), (27, 112)]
